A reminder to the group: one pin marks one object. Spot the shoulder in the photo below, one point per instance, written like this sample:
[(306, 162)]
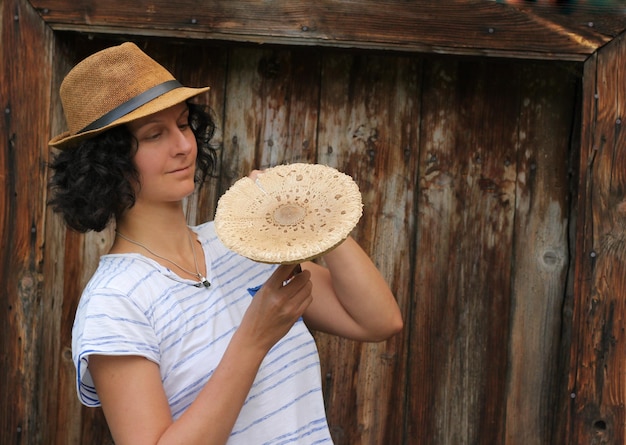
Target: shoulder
[(207, 228), (213, 245), (206, 233), (126, 282), (122, 272)]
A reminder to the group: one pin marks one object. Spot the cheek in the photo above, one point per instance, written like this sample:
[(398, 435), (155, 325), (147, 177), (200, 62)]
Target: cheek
[(146, 164)]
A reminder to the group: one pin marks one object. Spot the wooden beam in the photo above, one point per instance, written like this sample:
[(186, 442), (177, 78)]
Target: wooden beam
[(461, 27), (597, 389), (27, 358)]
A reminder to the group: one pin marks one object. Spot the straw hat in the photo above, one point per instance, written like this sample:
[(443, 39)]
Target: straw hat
[(112, 87), (291, 213)]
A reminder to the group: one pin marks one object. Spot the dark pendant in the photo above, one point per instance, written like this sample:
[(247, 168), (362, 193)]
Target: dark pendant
[(203, 282)]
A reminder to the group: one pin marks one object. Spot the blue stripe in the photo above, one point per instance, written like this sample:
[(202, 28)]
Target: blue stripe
[(281, 382), (196, 327), (209, 345), (307, 430), (276, 412)]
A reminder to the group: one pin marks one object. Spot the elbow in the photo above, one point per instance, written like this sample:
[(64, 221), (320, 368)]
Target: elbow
[(396, 324), (393, 326)]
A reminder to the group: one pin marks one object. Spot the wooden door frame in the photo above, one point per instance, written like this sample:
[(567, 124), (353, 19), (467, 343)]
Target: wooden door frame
[(593, 402)]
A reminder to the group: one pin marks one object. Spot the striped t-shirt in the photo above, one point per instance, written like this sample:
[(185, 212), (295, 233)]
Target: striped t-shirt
[(134, 306)]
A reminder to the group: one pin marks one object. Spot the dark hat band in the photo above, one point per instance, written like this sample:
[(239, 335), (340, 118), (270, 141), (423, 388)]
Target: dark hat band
[(132, 104)]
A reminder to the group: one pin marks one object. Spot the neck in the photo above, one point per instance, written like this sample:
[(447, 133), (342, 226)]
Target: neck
[(163, 227), (202, 281), (163, 235)]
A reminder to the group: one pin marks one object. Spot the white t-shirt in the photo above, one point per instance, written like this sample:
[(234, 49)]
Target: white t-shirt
[(134, 306)]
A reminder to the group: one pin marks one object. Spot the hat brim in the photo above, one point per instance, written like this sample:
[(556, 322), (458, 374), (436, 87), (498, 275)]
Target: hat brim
[(292, 213), (66, 140)]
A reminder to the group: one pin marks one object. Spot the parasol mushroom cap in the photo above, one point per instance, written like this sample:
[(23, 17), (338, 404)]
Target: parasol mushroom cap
[(289, 214)]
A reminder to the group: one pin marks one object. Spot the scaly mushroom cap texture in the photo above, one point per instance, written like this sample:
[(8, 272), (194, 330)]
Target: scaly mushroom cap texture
[(289, 214)]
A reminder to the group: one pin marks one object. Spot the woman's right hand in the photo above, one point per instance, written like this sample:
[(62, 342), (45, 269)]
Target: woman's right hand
[(277, 306)]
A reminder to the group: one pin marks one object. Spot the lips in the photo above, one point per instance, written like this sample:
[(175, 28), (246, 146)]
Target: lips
[(181, 170)]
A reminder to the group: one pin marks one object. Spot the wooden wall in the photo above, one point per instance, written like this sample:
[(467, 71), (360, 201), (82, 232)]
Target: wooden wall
[(463, 164), (493, 205)]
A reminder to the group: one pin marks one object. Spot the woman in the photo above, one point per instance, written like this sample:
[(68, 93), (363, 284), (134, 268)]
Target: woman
[(177, 338)]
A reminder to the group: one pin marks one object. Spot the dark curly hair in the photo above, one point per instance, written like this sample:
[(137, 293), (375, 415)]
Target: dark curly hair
[(93, 182)]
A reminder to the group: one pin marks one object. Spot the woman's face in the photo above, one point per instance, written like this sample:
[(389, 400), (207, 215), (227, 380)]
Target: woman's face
[(166, 155)]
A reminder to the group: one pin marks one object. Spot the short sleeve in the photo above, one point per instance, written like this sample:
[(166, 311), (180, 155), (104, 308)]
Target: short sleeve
[(108, 323)]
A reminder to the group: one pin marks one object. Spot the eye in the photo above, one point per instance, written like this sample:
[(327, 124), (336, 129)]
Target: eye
[(153, 136), (184, 126)]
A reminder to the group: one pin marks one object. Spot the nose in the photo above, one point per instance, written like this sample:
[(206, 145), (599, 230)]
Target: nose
[(184, 141)]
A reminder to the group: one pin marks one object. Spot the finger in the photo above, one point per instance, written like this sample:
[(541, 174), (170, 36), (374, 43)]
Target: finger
[(307, 298), (298, 293), (298, 281), (254, 174), (296, 271), (282, 274)]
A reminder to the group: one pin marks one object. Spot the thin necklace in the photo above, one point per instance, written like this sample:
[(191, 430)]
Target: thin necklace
[(202, 281)]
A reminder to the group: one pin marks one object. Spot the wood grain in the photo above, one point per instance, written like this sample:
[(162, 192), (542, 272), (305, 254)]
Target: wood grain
[(462, 286), (596, 385), (369, 115), (271, 110), (541, 252), (476, 27), (25, 363), (494, 191)]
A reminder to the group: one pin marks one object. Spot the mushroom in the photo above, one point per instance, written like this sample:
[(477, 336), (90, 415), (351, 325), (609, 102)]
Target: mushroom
[(289, 214)]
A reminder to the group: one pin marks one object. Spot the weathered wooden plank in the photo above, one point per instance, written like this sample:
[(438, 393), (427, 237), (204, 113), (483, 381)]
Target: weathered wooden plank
[(64, 407), (541, 251), (270, 111), (369, 125), (462, 288), (23, 353), (598, 365), (478, 27)]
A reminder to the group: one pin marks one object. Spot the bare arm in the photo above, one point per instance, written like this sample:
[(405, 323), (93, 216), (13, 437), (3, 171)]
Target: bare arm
[(351, 298), (133, 397)]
